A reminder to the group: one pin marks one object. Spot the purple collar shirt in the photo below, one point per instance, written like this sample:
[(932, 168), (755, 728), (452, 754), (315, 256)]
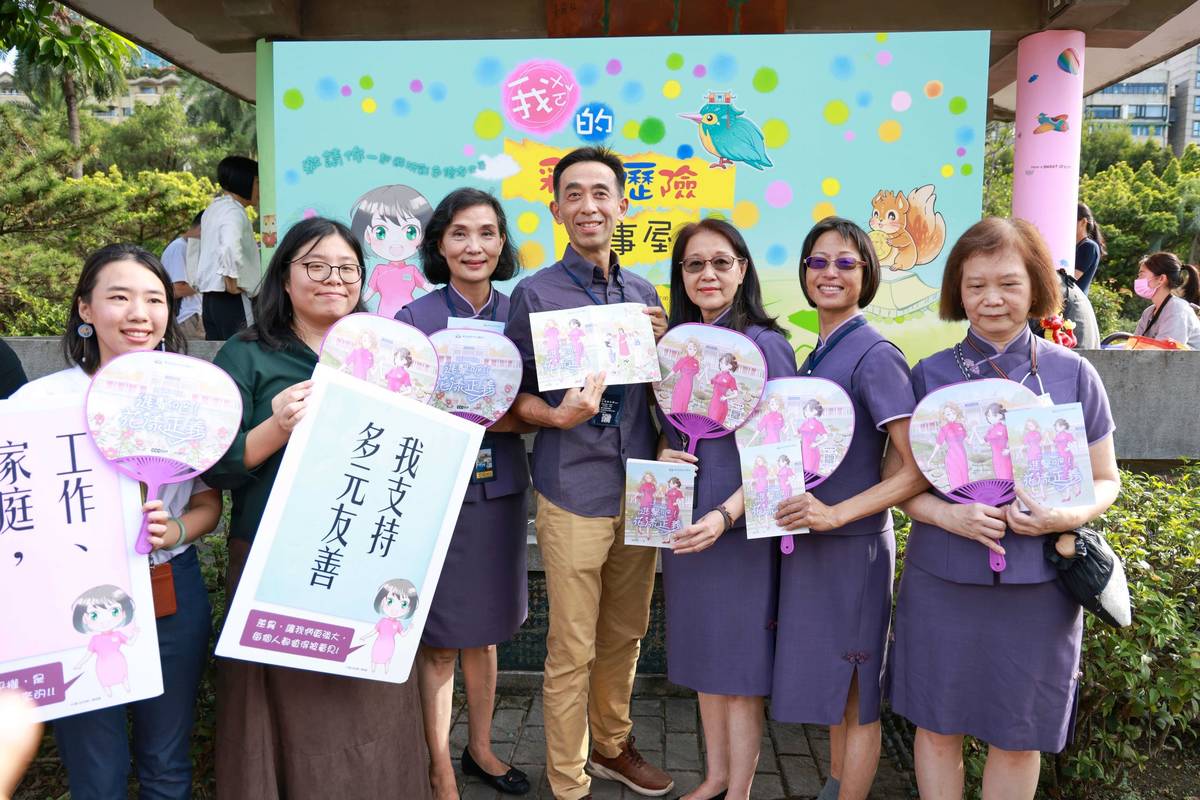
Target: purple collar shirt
[(583, 469)]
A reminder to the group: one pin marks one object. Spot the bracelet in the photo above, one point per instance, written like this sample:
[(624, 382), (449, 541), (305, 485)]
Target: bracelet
[(182, 531), (725, 515)]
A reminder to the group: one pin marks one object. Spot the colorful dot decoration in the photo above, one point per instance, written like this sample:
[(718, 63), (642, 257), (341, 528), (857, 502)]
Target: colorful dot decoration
[(613, 67), (947, 170), (745, 214), (890, 131), (765, 80), (400, 107), (862, 99), (291, 177), (437, 92), (488, 124), (776, 133), (723, 67), (779, 194), (901, 101), (672, 89), (699, 71), (630, 129), (881, 37), (842, 67), (632, 92), (416, 86), (883, 58), (830, 187), (685, 151), (958, 105), (293, 99), (368, 105), (652, 130), (366, 82), (327, 88), (776, 255), (531, 255), (587, 74), (966, 169), (960, 152), (849, 136), (346, 90), (488, 71), (822, 210), (675, 61), (836, 112), (933, 89), (528, 222)]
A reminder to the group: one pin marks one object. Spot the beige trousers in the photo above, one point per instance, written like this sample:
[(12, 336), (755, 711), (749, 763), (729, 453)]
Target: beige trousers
[(599, 591)]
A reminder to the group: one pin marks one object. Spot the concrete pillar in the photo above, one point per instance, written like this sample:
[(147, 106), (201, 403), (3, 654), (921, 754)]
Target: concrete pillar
[(1049, 119)]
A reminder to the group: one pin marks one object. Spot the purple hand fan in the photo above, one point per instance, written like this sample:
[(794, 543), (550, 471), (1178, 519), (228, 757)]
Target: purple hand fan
[(713, 380), (162, 418), (961, 442), (479, 374), (385, 352)]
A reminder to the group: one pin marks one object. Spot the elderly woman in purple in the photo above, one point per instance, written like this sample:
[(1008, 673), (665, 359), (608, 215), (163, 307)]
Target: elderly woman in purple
[(726, 653), (482, 594), (979, 653), (835, 589)]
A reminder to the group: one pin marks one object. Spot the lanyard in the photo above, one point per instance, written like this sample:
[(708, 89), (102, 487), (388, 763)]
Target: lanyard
[(1033, 368), (1154, 319), (450, 308), (590, 294), (818, 355)]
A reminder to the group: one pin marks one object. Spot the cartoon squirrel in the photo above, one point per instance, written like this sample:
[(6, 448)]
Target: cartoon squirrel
[(913, 233)]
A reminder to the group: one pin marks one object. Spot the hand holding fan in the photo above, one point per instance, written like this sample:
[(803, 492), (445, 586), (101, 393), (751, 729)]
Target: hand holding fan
[(384, 352), (162, 418), (714, 380), (961, 442), (479, 374), (813, 417)]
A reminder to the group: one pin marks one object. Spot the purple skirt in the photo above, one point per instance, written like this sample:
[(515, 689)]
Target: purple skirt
[(483, 593), (720, 606), (1000, 663), (835, 605)]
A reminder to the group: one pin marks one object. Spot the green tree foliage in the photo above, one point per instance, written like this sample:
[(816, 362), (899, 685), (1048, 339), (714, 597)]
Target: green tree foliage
[(159, 137), (207, 103)]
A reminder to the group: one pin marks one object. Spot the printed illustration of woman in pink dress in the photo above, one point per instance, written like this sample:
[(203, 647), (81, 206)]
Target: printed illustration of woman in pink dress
[(1064, 440), (576, 334), (952, 437), (395, 602), (761, 475), (784, 474), (360, 360), (398, 379), (552, 340), (100, 611), (770, 425), (1035, 473), (673, 496), (724, 388), (997, 439), (812, 435), (645, 513), (390, 223), (687, 366)]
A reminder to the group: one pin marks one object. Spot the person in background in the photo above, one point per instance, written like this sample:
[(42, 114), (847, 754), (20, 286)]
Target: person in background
[(12, 374), (1173, 289), (229, 270), (174, 260), (1089, 248), (122, 304)]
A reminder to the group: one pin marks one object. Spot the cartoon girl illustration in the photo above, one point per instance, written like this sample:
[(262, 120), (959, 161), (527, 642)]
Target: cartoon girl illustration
[(398, 379), (1034, 469), (395, 602), (771, 425), (784, 474), (550, 336), (997, 439), (576, 334), (952, 438), (687, 366), (725, 388), (612, 353), (812, 435), (1064, 440), (100, 611), (390, 223), (673, 496), (646, 493), (761, 475), (360, 360)]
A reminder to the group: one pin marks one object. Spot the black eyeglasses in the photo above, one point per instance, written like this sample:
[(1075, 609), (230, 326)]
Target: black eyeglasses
[(720, 264), (844, 262), (319, 271)]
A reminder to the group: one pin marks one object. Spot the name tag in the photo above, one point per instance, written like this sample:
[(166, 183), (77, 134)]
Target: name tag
[(485, 466), (494, 326), (611, 407)]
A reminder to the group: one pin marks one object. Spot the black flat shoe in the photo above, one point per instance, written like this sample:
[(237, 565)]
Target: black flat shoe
[(512, 782)]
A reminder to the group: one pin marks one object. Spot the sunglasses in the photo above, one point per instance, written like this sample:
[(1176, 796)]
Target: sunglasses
[(843, 263)]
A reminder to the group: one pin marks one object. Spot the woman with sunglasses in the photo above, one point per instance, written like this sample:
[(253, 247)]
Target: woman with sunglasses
[(289, 732), (725, 651), (835, 589)]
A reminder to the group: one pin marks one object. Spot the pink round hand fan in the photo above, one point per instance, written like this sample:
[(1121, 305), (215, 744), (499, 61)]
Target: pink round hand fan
[(479, 374), (814, 416), (385, 352), (162, 418), (960, 441), (713, 379)]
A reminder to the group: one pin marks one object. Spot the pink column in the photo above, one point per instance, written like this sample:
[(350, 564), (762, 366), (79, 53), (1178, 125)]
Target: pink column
[(1046, 150)]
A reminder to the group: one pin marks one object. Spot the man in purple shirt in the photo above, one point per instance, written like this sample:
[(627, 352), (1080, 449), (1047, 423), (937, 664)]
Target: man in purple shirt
[(599, 588)]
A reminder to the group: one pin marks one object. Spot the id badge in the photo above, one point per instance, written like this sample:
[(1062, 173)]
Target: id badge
[(485, 465), (611, 408), (493, 326)]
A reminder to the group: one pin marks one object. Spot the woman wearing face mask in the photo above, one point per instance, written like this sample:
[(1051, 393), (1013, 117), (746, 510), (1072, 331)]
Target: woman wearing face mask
[(1169, 316)]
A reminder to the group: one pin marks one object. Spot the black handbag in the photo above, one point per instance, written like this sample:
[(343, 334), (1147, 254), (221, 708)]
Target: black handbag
[(1095, 577)]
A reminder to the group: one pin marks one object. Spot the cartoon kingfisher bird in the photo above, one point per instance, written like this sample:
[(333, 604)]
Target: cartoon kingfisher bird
[(728, 135)]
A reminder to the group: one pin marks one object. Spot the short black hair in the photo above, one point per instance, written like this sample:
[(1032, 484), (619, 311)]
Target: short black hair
[(196, 219), (851, 232), (273, 310), (602, 155), (434, 263), (747, 308), (236, 174), (86, 352)]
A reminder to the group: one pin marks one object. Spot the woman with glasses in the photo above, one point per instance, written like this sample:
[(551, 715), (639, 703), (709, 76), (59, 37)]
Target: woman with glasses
[(482, 595), (720, 587), (288, 732), (835, 589)]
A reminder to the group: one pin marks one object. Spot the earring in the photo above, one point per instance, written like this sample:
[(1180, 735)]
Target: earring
[(85, 330)]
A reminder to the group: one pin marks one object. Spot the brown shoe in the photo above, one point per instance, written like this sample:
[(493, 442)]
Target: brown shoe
[(632, 770)]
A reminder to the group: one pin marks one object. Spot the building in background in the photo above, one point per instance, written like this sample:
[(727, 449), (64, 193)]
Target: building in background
[(1160, 103)]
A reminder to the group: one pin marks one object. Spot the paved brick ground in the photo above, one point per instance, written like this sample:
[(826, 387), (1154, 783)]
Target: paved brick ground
[(793, 765)]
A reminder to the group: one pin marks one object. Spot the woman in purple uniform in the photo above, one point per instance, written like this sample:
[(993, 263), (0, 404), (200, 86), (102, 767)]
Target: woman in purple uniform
[(980, 653), (482, 594), (725, 651), (835, 589)]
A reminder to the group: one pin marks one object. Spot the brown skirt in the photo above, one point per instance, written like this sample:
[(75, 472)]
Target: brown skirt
[(294, 734)]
